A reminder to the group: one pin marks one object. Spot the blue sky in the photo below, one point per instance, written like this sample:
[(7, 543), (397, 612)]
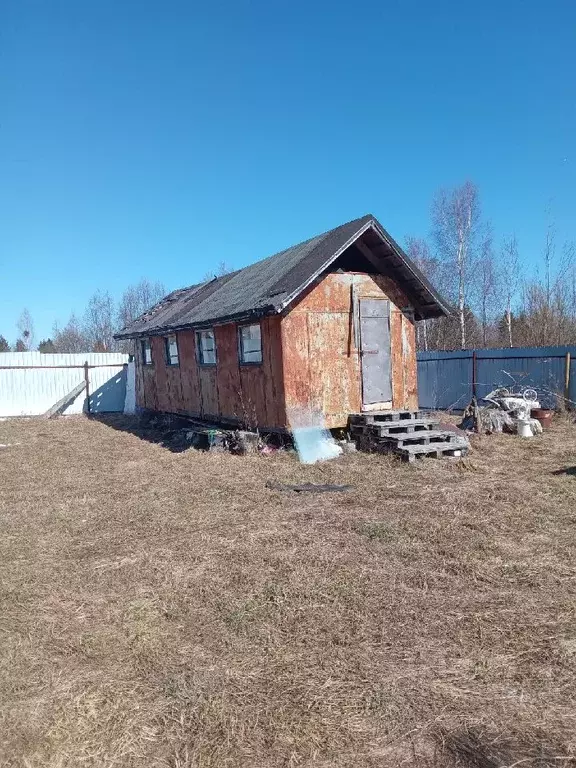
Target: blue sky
[(155, 139)]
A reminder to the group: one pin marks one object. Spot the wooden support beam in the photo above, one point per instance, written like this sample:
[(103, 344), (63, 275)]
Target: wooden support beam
[(87, 385), (64, 402), (367, 253)]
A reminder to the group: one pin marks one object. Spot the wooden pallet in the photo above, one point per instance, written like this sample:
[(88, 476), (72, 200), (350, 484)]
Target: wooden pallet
[(410, 453), (393, 427), (376, 417), (434, 450), (425, 437), (407, 434)]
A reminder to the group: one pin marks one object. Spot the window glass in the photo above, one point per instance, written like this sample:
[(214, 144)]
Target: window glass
[(206, 347), (171, 350), (250, 344), (146, 352)]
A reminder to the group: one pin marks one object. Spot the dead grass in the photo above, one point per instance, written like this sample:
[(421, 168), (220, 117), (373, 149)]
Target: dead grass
[(168, 610)]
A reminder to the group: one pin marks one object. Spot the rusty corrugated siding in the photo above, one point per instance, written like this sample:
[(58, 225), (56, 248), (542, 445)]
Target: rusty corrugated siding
[(189, 381), (309, 359), (397, 357), (321, 361), (410, 364), (251, 394), (228, 371), (160, 374)]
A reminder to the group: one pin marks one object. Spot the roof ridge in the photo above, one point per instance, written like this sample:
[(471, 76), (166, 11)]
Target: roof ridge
[(271, 284)]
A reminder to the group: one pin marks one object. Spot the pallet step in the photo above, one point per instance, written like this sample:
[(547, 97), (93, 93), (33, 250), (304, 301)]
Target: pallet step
[(457, 447), (435, 450), (423, 437), (373, 417), (395, 427)]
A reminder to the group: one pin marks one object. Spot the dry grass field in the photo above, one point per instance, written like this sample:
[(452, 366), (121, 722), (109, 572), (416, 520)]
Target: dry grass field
[(163, 609)]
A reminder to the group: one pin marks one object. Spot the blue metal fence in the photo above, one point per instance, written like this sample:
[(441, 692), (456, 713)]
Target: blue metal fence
[(448, 379)]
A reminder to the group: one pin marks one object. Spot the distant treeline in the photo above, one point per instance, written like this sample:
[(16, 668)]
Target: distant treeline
[(498, 301)]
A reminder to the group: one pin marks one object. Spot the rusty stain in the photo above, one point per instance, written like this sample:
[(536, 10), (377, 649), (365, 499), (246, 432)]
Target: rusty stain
[(321, 362), (310, 358)]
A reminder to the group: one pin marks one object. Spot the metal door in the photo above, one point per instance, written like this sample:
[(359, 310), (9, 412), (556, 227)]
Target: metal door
[(375, 351)]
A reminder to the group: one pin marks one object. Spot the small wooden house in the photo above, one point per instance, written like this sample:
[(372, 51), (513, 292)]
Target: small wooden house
[(327, 324)]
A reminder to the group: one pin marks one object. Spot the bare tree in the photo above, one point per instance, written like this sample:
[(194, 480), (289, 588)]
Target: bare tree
[(71, 338), (509, 279), (137, 299), (26, 329), (419, 252), (222, 269), (20, 346), (456, 223), (486, 285), (99, 323), (570, 257), (549, 250)]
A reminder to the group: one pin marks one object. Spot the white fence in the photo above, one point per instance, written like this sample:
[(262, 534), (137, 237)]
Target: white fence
[(31, 382)]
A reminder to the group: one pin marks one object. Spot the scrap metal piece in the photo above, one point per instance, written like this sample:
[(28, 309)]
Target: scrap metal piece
[(308, 487)]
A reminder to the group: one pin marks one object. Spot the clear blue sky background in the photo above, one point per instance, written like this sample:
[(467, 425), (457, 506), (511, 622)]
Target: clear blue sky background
[(142, 138)]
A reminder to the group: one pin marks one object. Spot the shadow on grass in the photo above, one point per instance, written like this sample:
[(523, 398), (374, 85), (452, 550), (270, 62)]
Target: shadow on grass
[(172, 433), (565, 471)]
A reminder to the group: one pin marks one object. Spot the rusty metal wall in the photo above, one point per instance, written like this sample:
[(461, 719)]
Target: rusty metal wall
[(249, 394), (309, 356), (320, 356)]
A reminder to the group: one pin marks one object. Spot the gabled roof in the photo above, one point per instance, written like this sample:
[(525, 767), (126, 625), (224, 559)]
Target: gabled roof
[(271, 285)]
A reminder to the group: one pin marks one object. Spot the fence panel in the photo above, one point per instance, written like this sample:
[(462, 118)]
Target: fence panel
[(445, 379), (31, 382)]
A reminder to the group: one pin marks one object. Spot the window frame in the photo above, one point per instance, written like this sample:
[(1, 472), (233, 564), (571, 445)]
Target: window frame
[(200, 351), (167, 355), (146, 344), (241, 352)]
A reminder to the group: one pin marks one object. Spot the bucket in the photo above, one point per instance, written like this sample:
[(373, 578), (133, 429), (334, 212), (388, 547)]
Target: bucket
[(523, 428), (543, 415)]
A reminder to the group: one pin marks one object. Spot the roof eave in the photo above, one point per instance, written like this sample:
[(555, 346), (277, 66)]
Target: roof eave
[(238, 317), (294, 295), (441, 307)]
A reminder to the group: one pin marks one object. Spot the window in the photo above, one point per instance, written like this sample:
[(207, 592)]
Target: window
[(206, 347), (146, 352), (171, 350), (250, 343)]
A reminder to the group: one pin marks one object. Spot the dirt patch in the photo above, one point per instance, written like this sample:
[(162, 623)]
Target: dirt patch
[(168, 609)]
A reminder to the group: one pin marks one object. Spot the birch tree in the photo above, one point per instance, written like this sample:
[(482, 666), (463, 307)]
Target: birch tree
[(99, 325), (509, 280), (487, 286), (26, 330), (456, 222), (419, 252), (137, 299), (71, 338)]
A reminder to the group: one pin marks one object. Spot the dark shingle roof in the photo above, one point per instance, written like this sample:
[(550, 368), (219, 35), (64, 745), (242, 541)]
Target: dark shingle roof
[(267, 286)]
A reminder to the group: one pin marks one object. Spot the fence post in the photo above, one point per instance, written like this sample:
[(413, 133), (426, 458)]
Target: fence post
[(474, 373), (87, 380), (567, 381)]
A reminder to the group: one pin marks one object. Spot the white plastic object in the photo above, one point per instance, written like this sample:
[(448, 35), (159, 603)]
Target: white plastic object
[(524, 428)]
